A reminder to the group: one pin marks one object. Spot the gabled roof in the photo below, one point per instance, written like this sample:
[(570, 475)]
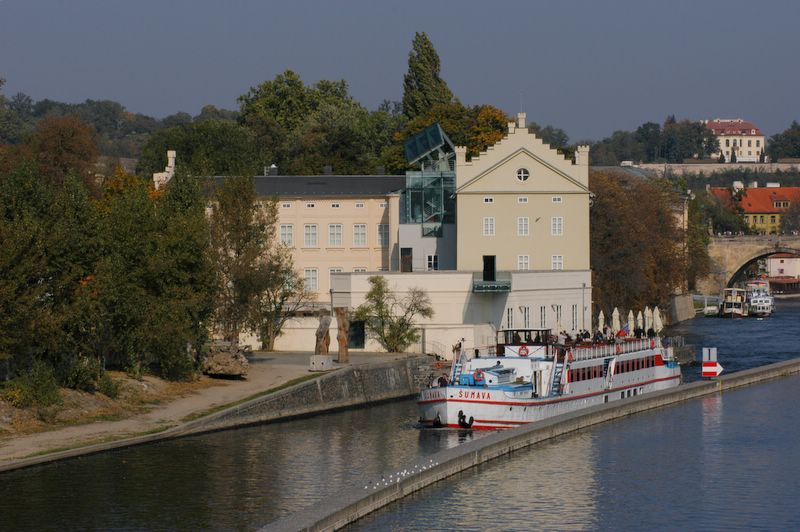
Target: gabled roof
[(326, 185), (732, 126), (759, 200)]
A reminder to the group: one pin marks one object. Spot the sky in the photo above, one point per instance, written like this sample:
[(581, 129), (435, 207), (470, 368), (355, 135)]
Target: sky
[(588, 67)]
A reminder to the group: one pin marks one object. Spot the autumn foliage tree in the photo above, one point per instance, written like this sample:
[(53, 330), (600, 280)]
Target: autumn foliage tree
[(637, 243)]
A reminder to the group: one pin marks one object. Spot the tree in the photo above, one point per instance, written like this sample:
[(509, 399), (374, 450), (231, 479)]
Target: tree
[(62, 145), (637, 243), (786, 143), (555, 137), (423, 88), (282, 293), (390, 318), (241, 234), (790, 220)]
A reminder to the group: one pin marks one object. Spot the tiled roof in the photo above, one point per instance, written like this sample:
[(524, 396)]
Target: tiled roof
[(723, 127), (326, 185), (759, 200), (783, 256)]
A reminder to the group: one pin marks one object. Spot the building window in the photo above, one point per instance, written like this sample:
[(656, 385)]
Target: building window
[(488, 226), (310, 235), (522, 199), (574, 317), (542, 316), (359, 235), (310, 205), (359, 205), (286, 205), (287, 234), (523, 175), (557, 225), (556, 199), (772, 219), (557, 262), (749, 143), (360, 269), (335, 235), (558, 314), (382, 205), (526, 317), (310, 278), (523, 223), (523, 262), (488, 199), (383, 235), (758, 143), (509, 318), (727, 143), (334, 205), (332, 271), (433, 262)]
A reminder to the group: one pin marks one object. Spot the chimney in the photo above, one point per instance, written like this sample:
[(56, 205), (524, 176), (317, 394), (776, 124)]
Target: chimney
[(273, 170), (327, 170), (521, 120)]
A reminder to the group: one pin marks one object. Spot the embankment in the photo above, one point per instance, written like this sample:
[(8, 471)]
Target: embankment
[(348, 505)]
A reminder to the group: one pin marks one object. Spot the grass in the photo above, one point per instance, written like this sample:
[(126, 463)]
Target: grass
[(214, 410)]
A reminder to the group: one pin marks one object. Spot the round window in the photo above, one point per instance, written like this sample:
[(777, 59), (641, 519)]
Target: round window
[(523, 174)]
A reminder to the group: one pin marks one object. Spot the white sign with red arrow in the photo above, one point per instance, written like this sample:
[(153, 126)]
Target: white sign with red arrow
[(711, 367)]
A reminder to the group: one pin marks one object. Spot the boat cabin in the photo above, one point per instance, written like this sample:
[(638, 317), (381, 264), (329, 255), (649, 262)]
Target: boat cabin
[(523, 342)]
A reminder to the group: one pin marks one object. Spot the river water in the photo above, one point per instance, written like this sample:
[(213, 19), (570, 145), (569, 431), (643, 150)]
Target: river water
[(726, 461)]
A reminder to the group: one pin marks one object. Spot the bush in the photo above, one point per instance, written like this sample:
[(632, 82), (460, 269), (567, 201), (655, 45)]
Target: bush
[(83, 373), (36, 387), (108, 386)]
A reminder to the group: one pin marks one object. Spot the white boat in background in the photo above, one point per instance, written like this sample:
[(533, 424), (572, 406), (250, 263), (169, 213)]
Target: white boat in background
[(525, 378), (760, 302), (733, 304)]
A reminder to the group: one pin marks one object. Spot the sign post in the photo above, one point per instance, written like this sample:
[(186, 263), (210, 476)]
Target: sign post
[(711, 367)]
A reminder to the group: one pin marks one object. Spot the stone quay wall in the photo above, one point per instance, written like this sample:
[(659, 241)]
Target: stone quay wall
[(347, 387), (348, 505)]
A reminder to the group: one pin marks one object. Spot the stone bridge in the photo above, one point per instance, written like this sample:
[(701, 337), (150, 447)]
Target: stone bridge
[(730, 254)]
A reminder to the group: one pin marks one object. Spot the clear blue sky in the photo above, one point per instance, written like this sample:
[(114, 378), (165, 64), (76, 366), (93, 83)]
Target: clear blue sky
[(589, 67)]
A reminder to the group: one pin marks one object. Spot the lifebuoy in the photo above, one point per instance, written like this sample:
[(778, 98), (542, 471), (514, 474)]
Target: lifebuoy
[(478, 375), (523, 351)]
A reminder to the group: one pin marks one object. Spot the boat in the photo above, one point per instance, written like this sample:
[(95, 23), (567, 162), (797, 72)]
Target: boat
[(760, 302), (734, 303), (528, 376)]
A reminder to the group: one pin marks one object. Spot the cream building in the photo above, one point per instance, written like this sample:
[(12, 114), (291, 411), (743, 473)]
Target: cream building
[(522, 206), (737, 137)]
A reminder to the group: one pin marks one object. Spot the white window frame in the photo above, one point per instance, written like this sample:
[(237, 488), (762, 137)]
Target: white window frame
[(488, 226), (542, 316), (310, 205), (523, 226), (382, 205), (360, 269), (287, 234), (432, 263), (286, 205), (488, 199), (523, 262), (359, 237), (523, 174), (331, 271), (359, 205), (557, 199), (557, 262), (510, 318), (334, 205), (335, 235), (310, 236), (383, 235), (526, 317), (522, 199), (311, 279), (574, 317), (557, 226)]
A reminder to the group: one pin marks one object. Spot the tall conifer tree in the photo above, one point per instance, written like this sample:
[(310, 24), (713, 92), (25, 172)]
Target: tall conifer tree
[(422, 86)]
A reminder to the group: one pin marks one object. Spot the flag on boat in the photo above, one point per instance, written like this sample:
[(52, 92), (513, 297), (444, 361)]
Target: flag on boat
[(624, 331)]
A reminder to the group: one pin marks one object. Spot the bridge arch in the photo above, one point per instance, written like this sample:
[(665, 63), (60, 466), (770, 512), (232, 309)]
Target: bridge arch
[(731, 254)]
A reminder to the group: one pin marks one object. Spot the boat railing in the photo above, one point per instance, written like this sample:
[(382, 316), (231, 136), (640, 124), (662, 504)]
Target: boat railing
[(589, 352)]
